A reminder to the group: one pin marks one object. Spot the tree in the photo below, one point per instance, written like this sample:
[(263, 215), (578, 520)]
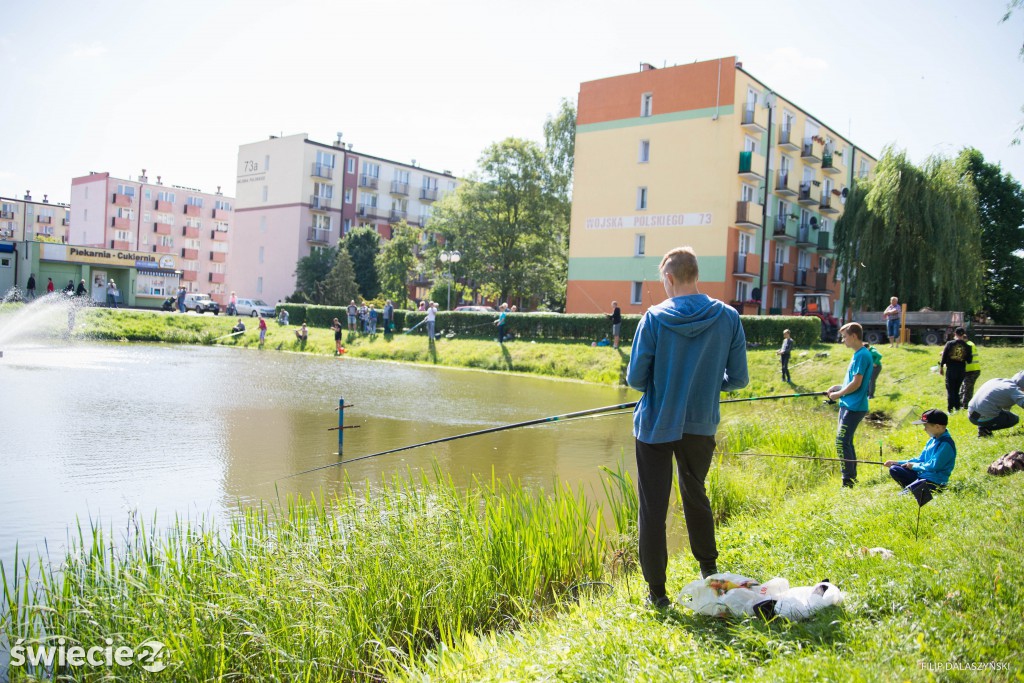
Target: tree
[(362, 245), (396, 259), (501, 220), (911, 232), (339, 287), (1001, 217), (1015, 4), (311, 270), (559, 152)]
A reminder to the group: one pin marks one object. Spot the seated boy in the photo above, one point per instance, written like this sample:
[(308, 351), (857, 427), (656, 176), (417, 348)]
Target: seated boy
[(302, 334), (240, 327), (935, 463)]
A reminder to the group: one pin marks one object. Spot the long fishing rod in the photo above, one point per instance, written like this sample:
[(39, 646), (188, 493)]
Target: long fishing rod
[(543, 420), (810, 457), (415, 326), (229, 335), (770, 398)]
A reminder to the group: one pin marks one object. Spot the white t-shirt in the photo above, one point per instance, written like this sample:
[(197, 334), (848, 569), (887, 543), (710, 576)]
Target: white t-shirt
[(431, 314)]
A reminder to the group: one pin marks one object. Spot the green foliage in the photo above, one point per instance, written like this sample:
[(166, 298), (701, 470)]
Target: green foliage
[(311, 271), (1001, 216), (362, 245), (339, 287), (439, 293), (766, 330), (911, 232), (396, 260)]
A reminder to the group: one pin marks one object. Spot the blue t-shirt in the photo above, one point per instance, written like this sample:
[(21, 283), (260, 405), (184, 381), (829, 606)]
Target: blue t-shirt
[(861, 364)]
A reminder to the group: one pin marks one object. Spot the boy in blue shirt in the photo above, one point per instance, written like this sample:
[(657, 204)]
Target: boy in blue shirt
[(936, 461), (686, 351), (853, 398)]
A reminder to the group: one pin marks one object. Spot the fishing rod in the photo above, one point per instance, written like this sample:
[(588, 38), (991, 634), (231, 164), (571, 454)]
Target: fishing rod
[(415, 326), (810, 457), (770, 398), (542, 420), (229, 335)]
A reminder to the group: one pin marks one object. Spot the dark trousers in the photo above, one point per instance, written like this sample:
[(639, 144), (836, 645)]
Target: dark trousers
[(874, 378), (905, 477), (1004, 420), (848, 421), (693, 455), (786, 377), (501, 334), (954, 380), (967, 389)]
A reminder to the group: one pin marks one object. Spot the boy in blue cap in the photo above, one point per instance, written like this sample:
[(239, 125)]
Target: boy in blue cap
[(931, 469)]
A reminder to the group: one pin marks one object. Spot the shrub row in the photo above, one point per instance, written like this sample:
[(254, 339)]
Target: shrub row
[(760, 330)]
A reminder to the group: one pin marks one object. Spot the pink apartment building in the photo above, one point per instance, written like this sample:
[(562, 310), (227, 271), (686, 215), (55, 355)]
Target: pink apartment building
[(295, 195), (173, 235)]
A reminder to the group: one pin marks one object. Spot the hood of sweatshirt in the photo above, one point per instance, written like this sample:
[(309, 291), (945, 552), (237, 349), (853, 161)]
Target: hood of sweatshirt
[(688, 315), (1018, 379)]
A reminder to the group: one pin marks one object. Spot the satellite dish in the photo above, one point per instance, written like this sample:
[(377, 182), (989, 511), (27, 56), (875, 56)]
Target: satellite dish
[(755, 294), (843, 195), (814, 222)]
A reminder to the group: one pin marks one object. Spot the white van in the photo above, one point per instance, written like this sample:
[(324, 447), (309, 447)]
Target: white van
[(201, 303)]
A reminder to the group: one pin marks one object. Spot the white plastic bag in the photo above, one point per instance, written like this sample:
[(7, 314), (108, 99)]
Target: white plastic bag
[(805, 601), (711, 596)]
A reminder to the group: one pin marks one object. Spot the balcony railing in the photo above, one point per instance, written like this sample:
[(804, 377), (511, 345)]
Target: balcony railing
[(751, 165), (827, 163), (191, 210), (319, 235), (162, 249), (123, 245), (161, 228), (6, 215), (318, 203), (218, 236), (821, 281), (398, 187), (190, 231), (826, 204), (753, 118), (120, 223), (748, 214), (221, 214), (784, 229), (122, 199), (808, 193), (321, 171), (162, 205), (779, 274), (786, 139), (428, 194), (217, 277), (190, 254), (44, 219), (824, 241), (218, 256), (367, 211), (190, 275), (803, 236), (811, 150), (744, 265), (369, 181), (801, 277)]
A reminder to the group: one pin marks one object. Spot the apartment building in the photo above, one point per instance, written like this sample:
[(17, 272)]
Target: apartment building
[(150, 237), (709, 156), (28, 220), (295, 195)]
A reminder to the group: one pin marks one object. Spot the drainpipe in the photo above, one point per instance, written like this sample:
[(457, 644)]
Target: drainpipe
[(770, 103)]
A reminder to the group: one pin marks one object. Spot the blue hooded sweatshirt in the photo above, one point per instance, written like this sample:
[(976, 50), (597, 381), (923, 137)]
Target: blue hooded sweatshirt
[(686, 351)]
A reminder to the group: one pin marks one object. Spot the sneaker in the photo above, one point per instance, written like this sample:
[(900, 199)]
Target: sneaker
[(848, 483), (658, 602), (983, 432), (708, 570)]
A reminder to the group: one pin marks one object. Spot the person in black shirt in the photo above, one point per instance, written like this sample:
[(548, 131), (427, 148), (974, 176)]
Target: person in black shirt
[(616, 318), (956, 354)]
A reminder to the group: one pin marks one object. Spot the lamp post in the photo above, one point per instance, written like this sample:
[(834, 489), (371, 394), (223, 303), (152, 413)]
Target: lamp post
[(451, 258)]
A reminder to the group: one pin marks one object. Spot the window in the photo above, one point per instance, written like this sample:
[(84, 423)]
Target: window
[(781, 255), (86, 191), (640, 245), (347, 226), (744, 243), (146, 217), (263, 223), (429, 183), (192, 243), (641, 198), (321, 221), (165, 218), (402, 176), (259, 285), (129, 191), (165, 197), (645, 151), (348, 195), (351, 165), (747, 193), (324, 159), (125, 212), (636, 293), (123, 235), (85, 215), (221, 205), (371, 170), (264, 193), (646, 104), (368, 199), (324, 190), (220, 227), (166, 240), (261, 255), (779, 298), (266, 162), (149, 194), (742, 291), (749, 144), (863, 169)]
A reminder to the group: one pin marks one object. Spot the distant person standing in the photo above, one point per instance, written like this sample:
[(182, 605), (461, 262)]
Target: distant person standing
[(876, 368), (971, 373), (353, 313), (111, 294), (853, 399), (30, 287), (616, 320), (263, 330), (81, 291), (338, 348), (181, 299), (49, 285), (892, 316), (233, 304), (784, 353), (500, 322), (431, 319), (389, 314), (956, 354), (69, 289)]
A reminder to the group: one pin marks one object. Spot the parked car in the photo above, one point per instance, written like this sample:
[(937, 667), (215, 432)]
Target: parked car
[(476, 309), (201, 303), (255, 308)]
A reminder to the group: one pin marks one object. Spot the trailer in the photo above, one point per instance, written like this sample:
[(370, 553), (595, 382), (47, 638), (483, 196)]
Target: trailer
[(923, 327)]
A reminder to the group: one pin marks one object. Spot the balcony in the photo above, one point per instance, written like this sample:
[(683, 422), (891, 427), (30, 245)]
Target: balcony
[(217, 278), (801, 278), (825, 205), (218, 257), (784, 228), (6, 215), (786, 138), (746, 266), (782, 185), (44, 219), (190, 275), (120, 223), (825, 242), (321, 171), (221, 214), (828, 163), (122, 199), (748, 214), (319, 235), (779, 274), (161, 229), (191, 210), (163, 249), (366, 211), (821, 282), (395, 216), (808, 193), (318, 203), (803, 237), (219, 235), (751, 166), (754, 119), (65, 221), (123, 245), (812, 150), (369, 181), (428, 194), (190, 254), (161, 205), (189, 231), (399, 188)]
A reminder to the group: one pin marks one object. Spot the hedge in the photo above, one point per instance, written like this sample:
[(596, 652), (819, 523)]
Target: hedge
[(760, 330)]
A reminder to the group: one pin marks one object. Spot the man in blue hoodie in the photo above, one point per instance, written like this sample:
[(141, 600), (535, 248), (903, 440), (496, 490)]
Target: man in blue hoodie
[(686, 350)]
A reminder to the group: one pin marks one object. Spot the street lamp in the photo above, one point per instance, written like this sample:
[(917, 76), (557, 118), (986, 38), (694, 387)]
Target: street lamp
[(451, 258)]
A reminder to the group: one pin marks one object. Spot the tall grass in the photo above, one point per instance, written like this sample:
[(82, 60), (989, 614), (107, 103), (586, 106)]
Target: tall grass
[(313, 591)]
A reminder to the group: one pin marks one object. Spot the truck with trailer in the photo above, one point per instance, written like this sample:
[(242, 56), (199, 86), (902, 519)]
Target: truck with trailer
[(925, 327)]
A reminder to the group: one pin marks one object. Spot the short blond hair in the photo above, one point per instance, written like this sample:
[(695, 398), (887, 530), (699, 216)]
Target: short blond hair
[(852, 328), (681, 264)]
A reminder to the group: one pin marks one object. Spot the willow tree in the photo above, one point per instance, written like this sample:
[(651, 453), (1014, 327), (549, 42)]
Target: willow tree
[(911, 232)]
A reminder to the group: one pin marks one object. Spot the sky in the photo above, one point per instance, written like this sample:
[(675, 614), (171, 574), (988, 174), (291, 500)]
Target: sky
[(175, 88)]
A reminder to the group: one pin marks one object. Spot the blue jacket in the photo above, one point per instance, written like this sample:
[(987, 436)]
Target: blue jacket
[(937, 460), (686, 351)]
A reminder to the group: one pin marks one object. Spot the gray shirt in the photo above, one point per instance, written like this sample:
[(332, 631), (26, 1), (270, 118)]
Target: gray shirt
[(997, 395)]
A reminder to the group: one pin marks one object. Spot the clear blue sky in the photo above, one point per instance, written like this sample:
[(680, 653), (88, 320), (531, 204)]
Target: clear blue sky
[(176, 87)]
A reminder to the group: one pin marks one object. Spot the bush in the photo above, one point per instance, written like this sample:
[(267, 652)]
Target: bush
[(766, 330)]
